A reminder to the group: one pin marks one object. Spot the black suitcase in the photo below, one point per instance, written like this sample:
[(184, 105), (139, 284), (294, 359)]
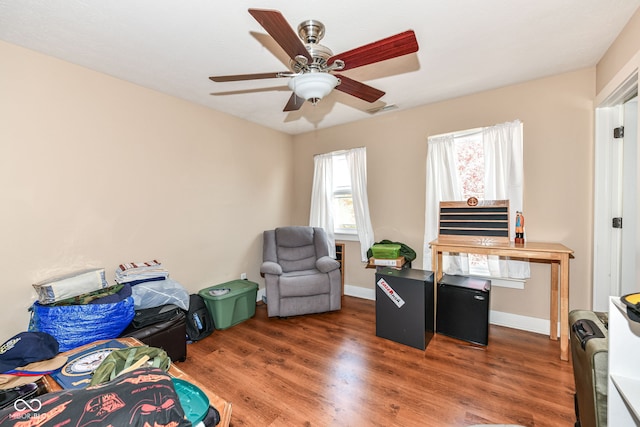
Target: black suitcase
[(589, 352), (167, 334)]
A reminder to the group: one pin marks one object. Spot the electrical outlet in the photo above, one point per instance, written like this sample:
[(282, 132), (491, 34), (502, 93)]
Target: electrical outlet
[(243, 276)]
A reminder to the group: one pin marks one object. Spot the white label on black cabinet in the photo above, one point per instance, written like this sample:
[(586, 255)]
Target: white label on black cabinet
[(393, 296)]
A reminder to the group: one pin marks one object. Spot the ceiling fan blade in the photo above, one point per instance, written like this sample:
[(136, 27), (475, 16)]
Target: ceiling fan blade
[(294, 103), (358, 89), (278, 28), (257, 76), (391, 47)]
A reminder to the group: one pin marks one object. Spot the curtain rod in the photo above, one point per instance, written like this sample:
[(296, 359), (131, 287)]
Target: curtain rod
[(458, 133), (337, 152), (471, 131)]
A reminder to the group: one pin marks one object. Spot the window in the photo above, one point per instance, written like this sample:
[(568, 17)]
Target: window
[(344, 218), (486, 163), (339, 201), (469, 158), (470, 164)]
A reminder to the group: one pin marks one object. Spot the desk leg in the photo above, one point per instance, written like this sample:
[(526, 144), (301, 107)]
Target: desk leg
[(553, 298), (564, 307), (436, 264)]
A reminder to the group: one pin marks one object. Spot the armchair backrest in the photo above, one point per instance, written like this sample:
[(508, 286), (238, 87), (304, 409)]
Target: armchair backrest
[(295, 248)]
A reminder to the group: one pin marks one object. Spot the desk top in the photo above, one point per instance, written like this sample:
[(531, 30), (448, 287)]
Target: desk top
[(525, 250), (219, 403), (527, 246)]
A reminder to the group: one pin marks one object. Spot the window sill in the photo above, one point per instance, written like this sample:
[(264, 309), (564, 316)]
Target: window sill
[(347, 237), (502, 282)]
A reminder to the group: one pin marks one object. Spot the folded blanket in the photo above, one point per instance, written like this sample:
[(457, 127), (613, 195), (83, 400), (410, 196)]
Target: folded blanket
[(140, 272), (139, 265)]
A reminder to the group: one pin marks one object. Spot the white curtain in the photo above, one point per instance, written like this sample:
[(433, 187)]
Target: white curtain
[(321, 214), (357, 161), (442, 184), (322, 197), (504, 170), (503, 153)]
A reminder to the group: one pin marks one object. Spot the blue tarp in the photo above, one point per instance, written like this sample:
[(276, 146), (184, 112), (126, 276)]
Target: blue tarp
[(76, 325)]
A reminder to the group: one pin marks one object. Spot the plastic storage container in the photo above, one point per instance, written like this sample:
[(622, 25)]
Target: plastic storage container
[(385, 250), (230, 303)]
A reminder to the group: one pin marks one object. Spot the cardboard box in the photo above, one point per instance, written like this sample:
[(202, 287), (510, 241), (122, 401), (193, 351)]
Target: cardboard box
[(384, 262)]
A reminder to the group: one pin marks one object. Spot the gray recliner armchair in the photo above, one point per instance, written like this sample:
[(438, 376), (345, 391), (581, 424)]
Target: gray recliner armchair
[(300, 276)]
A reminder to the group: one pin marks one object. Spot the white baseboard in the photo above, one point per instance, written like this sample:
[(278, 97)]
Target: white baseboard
[(358, 292), (510, 320), (516, 321), (262, 293)]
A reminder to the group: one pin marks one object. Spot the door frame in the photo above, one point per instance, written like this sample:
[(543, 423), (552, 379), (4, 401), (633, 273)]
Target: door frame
[(631, 178), (605, 271)]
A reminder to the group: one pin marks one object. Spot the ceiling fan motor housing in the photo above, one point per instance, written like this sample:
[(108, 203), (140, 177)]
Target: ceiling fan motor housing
[(311, 32)]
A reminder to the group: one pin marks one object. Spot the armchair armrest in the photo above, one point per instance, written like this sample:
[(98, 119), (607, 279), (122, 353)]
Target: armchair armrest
[(270, 267), (326, 264)]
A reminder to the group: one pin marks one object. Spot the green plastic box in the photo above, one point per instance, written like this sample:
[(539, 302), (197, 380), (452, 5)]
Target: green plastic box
[(230, 303), (385, 250)]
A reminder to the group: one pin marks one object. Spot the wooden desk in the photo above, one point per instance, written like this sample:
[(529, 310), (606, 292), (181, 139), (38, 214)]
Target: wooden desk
[(219, 403), (555, 253)]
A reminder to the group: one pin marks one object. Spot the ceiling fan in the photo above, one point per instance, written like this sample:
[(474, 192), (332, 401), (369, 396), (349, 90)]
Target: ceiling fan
[(313, 66)]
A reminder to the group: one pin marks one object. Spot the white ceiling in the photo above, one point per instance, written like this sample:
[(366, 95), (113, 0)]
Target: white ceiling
[(173, 46)]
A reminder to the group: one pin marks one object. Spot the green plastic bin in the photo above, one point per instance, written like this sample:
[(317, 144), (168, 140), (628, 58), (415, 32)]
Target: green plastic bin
[(230, 303), (385, 250)]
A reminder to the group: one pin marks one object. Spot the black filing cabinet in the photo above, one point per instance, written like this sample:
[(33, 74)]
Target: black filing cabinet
[(463, 308), (405, 306)]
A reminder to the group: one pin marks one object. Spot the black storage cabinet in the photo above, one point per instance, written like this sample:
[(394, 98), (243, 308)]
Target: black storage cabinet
[(463, 308), (411, 323)]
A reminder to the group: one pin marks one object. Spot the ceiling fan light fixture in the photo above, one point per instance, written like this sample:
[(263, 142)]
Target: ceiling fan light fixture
[(313, 86)]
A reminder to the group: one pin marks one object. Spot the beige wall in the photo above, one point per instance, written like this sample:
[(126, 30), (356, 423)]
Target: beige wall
[(626, 45), (557, 114), (96, 171)]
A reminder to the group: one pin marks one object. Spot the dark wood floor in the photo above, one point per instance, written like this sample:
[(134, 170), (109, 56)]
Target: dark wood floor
[(331, 370)]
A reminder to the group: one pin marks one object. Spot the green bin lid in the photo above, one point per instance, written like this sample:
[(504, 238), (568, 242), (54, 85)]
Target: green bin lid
[(392, 246), (228, 289)]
